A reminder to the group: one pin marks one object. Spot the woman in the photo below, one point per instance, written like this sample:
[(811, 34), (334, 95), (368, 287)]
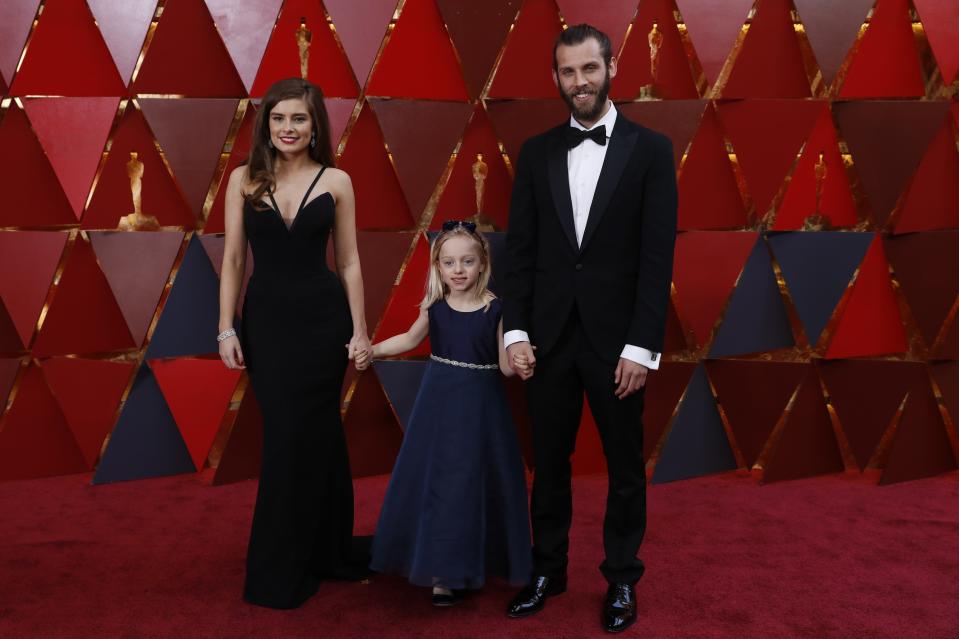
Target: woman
[(301, 323)]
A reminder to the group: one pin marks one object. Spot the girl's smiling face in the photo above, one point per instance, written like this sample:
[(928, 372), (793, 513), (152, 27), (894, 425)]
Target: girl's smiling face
[(460, 263), (290, 125)]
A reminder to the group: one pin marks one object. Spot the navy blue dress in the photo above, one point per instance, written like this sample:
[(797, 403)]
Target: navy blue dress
[(456, 508)]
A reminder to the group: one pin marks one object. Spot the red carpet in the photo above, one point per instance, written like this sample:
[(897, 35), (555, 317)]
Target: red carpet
[(827, 557)]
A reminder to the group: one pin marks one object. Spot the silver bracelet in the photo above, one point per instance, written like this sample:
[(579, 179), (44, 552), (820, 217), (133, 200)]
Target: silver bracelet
[(228, 333)]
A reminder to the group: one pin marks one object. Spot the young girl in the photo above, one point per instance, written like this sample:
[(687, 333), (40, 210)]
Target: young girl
[(456, 506)]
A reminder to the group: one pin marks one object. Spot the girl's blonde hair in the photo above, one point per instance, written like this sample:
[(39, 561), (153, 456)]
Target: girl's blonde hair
[(436, 288)]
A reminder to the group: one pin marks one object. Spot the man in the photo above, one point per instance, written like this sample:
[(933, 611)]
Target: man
[(590, 244)]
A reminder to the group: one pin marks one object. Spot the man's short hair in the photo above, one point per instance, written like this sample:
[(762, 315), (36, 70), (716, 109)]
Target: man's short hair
[(579, 33)]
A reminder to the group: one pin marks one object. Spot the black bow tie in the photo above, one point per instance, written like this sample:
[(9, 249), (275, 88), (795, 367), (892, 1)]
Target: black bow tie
[(575, 136)]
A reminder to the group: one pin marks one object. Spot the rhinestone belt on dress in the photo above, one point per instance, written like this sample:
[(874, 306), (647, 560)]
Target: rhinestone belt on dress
[(453, 362)]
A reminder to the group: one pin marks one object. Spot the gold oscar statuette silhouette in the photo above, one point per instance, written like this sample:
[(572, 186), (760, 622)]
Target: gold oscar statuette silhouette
[(303, 38), (817, 221), (137, 221), (480, 172), (655, 38)]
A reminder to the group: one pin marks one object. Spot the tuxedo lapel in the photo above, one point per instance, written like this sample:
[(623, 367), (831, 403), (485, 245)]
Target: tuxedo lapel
[(559, 185), (621, 144)]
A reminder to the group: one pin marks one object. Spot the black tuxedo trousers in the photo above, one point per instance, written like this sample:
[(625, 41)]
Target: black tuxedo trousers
[(555, 396)]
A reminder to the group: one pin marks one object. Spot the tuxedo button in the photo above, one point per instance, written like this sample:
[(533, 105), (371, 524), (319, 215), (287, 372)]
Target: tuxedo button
[(579, 267)]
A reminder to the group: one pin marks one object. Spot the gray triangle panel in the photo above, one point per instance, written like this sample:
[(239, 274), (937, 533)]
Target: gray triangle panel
[(189, 320), (146, 441), (401, 381), (817, 268), (697, 443), (756, 319)]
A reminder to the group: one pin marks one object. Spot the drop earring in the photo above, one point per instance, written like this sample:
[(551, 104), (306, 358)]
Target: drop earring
[(269, 143), (313, 141)]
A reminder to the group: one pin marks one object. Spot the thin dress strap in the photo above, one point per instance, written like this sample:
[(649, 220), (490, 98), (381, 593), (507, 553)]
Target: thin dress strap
[(306, 196)]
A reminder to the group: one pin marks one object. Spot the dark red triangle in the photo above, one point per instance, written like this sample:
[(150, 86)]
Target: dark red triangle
[(459, 194), (33, 195), (198, 392), (361, 28), (866, 395), (713, 28), (709, 195), (137, 267), (831, 29), (403, 307), (9, 338), (88, 393), (705, 269), (674, 78), (799, 200), (9, 367), (112, 197), (517, 120), (124, 28), (925, 267), (243, 450), (478, 31), (753, 395), (767, 136), (949, 343), (807, 445), (246, 32), (327, 66), (921, 446), (67, 55), (769, 63), (677, 119), (83, 316), (612, 17), (35, 440), (588, 457), (664, 388), (939, 20), (932, 199), (186, 38), (373, 436), (191, 133), (886, 61), (946, 377), (380, 203), (870, 323), (419, 34), (887, 141), (238, 155), (72, 132), (525, 68), (420, 159), (382, 255), (28, 262), (15, 26)]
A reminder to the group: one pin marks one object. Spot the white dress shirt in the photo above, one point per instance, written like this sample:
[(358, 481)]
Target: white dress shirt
[(584, 163)]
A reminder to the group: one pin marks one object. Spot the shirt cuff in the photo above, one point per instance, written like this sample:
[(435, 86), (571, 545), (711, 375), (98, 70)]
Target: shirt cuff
[(512, 337), (647, 358)]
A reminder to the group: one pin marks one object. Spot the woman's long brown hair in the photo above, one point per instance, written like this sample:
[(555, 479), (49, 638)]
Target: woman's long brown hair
[(261, 162)]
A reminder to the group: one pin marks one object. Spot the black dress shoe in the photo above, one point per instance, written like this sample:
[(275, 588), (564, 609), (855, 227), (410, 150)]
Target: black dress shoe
[(531, 599), (444, 600), (619, 609)]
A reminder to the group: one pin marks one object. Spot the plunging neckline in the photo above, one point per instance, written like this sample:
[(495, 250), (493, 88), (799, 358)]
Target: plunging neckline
[(303, 203)]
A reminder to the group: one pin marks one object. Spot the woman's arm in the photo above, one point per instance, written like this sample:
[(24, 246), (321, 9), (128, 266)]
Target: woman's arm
[(234, 266), (399, 344), (348, 260)]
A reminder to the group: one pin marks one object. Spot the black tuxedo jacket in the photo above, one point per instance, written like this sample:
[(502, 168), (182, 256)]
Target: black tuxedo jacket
[(619, 278)]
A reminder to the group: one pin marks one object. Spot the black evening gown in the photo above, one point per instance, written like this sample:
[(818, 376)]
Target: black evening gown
[(296, 321)]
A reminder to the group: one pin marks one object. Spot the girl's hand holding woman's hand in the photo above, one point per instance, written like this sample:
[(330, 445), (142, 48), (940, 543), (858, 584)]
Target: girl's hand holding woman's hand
[(359, 350)]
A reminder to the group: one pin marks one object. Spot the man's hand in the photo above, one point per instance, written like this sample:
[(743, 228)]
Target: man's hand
[(521, 359), (629, 378)]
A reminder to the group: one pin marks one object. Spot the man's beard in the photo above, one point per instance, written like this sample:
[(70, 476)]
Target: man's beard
[(588, 114)]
